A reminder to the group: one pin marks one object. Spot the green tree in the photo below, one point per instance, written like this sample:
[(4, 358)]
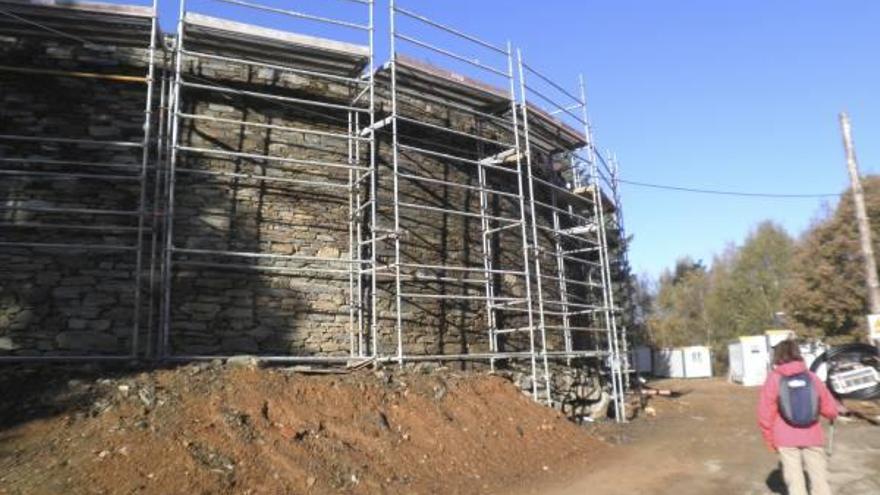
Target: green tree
[(827, 296), (739, 295), (748, 286), (678, 315), (749, 283)]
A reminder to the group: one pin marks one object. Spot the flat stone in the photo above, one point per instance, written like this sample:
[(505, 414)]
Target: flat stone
[(243, 361), (245, 313), (240, 344), (76, 324), (6, 344), (67, 292), (86, 341)]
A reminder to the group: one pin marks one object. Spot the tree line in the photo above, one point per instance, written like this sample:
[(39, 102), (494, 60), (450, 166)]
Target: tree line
[(813, 284)]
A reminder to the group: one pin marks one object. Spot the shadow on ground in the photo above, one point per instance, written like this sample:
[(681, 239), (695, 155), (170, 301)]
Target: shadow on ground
[(33, 392), (776, 483)]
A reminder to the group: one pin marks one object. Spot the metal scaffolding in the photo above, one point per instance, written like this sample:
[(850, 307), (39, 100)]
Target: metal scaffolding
[(491, 155), (202, 40), (469, 156), (569, 209), (54, 224), (622, 260)]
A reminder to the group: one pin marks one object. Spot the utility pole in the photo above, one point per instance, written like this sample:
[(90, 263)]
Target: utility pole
[(862, 220)]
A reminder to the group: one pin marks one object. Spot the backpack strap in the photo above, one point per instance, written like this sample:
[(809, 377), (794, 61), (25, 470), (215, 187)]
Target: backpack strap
[(784, 397), (814, 397)]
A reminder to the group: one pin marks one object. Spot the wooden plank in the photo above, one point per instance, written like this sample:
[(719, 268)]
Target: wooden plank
[(49, 6), (80, 75), (358, 365), (262, 53), (250, 30), (468, 84)]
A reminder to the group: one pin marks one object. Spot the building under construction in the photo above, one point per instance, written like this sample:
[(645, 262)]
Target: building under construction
[(272, 189)]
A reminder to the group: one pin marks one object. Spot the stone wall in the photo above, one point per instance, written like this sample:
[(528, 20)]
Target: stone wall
[(252, 307), (443, 323), (68, 301), (73, 301)]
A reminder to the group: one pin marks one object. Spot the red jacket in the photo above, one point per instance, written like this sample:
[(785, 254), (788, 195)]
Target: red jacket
[(777, 433)]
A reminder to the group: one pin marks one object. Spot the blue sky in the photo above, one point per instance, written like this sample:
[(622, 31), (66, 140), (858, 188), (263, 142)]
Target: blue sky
[(735, 95)]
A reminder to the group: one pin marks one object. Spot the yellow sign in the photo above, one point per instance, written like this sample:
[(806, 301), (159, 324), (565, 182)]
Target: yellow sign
[(874, 326)]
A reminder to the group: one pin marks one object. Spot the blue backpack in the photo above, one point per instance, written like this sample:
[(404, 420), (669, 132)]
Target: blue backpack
[(799, 400)]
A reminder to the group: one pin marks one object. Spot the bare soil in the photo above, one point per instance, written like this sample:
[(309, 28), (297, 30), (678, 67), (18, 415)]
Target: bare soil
[(213, 428), (707, 443), (216, 429)]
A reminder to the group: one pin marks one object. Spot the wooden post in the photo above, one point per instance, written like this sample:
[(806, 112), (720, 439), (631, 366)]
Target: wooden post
[(861, 216)]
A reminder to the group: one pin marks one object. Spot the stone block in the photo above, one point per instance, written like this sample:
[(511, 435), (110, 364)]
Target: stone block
[(84, 341), (76, 324), (67, 292), (98, 299), (261, 333), (243, 313), (245, 345), (48, 278)]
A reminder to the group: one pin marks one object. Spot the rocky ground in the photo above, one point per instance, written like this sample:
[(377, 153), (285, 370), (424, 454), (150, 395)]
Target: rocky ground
[(213, 428)]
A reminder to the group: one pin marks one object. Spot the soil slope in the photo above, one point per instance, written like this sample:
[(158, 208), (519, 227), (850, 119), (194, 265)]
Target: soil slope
[(209, 428)]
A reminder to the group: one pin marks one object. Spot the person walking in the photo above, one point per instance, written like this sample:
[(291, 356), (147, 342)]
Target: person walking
[(792, 400)]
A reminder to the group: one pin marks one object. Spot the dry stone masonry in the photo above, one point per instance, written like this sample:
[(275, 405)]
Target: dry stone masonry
[(259, 215)]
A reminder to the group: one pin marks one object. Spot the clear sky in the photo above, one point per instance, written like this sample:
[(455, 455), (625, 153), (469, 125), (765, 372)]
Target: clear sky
[(734, 95)]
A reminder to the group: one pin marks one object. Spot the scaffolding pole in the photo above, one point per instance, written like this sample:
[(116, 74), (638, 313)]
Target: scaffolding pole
[(576, 237), (610, 312), (142, 169), (623, 264), (529, 174), (480, 162), (352, 268)]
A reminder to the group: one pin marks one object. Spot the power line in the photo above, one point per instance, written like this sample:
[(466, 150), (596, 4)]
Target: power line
[(726, 193), (629, 182)]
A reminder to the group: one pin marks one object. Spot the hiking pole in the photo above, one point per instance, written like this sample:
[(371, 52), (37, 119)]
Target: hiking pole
[(831, 439)]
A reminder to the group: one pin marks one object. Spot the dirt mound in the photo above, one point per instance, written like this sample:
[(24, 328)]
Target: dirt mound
[(208, 428)]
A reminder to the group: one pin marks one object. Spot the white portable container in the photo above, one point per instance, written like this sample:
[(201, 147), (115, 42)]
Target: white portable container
[(667, 362), (640, 359), (683, 362), (697, 362), (749, 360)]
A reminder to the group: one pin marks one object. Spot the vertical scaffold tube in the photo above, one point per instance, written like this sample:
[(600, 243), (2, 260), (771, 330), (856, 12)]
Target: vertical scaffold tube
[(398, 302), (607, 289), (145, 162), (529, 173), (169, 210)]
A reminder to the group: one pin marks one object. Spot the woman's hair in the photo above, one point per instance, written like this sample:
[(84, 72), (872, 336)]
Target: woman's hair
[(786, 352)]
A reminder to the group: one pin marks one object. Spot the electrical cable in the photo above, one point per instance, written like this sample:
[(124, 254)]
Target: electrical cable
[(726, 193)]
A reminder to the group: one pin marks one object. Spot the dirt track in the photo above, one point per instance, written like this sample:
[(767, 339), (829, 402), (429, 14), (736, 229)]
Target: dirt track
[(707, 443)]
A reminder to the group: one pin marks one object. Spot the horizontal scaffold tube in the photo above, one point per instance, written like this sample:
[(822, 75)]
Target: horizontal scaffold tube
[(450, 30), (253, 156), (273, 127), (451, 54), (256, 177), (296, 14), (266, 96)]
